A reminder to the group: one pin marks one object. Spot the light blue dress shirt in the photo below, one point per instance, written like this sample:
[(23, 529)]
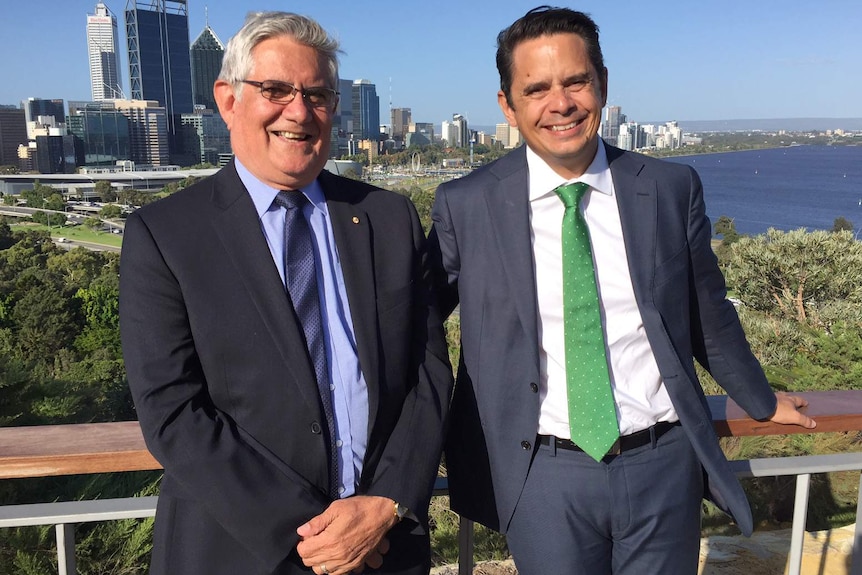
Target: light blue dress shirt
[(347, 384)]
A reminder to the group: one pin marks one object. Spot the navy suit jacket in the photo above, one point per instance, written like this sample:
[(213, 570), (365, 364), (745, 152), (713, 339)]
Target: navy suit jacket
[(481, 244), (224, 388)]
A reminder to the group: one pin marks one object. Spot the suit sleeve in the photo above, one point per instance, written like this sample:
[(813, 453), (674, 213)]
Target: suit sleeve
[(409, 463), (719, 342), (253, 495), (443, 254)]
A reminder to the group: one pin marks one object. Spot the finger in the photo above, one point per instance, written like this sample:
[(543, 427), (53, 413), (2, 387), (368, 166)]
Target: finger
[(374, 560), (313, 526), (383, 546)]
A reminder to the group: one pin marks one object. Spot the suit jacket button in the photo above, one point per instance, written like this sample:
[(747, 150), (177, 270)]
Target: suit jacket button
[(526, 445), (534, 388), (315, 428)]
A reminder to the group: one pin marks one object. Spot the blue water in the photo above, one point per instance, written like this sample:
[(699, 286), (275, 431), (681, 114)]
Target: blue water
[(783, 188)]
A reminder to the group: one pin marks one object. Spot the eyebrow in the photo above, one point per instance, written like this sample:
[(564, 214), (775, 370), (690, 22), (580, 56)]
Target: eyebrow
[(568, 81)]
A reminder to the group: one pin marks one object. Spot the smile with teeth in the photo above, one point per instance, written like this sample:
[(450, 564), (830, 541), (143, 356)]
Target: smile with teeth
[(292, 136), (564, 127)]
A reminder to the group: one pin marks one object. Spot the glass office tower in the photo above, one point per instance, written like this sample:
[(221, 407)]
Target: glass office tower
[(157, 32)]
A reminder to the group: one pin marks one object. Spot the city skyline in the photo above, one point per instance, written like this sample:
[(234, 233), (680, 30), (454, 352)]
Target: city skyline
[(670, 60)]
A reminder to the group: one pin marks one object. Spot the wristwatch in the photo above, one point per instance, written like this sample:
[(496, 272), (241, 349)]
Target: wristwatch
[(401, 511)]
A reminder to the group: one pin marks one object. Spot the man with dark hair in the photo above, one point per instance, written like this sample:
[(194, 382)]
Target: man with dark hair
[(287, 362), (587, 287)]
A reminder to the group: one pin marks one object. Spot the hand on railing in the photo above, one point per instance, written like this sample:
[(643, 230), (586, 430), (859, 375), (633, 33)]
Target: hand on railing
[(788, 412)]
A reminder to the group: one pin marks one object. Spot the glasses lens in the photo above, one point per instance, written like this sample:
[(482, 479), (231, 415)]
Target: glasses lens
[(278, 92), (319, 96)]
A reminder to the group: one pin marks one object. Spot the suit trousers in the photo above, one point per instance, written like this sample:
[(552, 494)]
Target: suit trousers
[(637, 513)]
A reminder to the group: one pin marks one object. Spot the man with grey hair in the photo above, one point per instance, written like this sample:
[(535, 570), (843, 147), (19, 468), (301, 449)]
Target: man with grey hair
[(285, 355)]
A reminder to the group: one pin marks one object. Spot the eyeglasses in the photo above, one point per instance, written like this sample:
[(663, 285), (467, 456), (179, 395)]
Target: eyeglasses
[(284, 93)]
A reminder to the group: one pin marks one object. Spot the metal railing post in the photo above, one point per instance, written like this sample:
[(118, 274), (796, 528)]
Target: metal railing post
[(856, 561), (66, 548), (800, 514), (465, 546)]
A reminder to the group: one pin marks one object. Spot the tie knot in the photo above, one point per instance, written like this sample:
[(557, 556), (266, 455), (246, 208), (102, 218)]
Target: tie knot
[(290, 200), (571, 194)]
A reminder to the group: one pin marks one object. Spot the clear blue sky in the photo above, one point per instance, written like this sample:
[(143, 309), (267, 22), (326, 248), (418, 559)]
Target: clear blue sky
[(667, 59)]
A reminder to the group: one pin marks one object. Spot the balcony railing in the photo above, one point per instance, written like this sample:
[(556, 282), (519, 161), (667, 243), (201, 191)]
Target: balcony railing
[(41, 451)]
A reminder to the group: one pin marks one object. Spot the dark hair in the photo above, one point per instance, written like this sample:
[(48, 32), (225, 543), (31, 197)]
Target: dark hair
[(545, 21)]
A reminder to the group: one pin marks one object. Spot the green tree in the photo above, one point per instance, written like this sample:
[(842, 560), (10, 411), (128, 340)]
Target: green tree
[(842, 224), (814, 278), (110, 211), (106, 191)]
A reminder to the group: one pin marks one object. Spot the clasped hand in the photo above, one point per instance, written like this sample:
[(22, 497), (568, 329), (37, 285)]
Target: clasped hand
[(348, 535)]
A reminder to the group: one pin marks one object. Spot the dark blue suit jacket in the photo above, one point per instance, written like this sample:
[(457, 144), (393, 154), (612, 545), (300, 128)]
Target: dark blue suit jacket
[(481, 243), (225, 391)]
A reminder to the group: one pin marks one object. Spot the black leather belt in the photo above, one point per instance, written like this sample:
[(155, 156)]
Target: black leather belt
[(624, 443)]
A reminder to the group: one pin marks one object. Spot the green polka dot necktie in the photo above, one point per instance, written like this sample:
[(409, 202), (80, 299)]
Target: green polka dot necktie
[(592, 417)]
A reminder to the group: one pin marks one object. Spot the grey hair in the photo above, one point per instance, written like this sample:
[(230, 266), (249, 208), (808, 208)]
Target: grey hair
[(259, 26)]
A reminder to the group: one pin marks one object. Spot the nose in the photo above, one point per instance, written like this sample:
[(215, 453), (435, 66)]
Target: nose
[(296, 110), (561, 100)]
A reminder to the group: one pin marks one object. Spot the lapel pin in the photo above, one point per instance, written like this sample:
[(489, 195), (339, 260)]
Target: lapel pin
[(355, 220)]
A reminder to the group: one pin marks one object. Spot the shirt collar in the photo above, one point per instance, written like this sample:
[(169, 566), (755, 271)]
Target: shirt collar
[(263, 196), (544, 180)]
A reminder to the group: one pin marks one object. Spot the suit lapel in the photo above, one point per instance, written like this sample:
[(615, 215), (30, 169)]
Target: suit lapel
[(238, 228), (637, 200), (508, 206), (352, 232)]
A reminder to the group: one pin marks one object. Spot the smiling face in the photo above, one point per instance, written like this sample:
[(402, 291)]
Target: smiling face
[(283, 145), (557, 101)]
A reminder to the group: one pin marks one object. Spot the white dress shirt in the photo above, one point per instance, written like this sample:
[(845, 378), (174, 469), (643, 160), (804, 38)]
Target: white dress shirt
[(639, 393)]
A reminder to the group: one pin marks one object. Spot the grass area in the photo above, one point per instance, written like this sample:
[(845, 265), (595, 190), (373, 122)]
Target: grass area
[(77, 233)]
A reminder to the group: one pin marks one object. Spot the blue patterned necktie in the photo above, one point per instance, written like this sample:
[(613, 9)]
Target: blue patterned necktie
[(592, 416), (301, 280)]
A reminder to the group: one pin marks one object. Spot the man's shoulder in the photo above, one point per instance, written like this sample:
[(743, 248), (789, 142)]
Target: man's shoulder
[(490, 174), (342, 189)]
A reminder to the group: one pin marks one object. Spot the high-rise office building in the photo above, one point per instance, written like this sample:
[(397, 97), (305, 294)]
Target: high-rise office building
[(103, 50), (207, 52), (366, 111), (55, 153), (456, 133), (207, 139), (148, 131), (400, 122), (101, 133), (13, 133), (611, 124), (39, 111), (157, 33)]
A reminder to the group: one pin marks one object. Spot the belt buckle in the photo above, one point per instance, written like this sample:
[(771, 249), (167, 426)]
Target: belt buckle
[(615, 448)]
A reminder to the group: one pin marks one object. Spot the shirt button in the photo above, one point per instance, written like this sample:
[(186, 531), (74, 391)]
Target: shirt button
[(526, 445), (315, 428), (534, 388), (338, 443), (331, 387), (341, 489)]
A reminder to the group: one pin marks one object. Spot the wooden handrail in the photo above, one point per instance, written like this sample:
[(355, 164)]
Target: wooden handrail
[(48, 450)]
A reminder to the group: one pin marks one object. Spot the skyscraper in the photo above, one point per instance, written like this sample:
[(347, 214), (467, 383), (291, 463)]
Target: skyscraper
[(157, 32), (611, 124), (366, 111), (36, 108), (103, 49), (13, 133), (206, 55), (400, 122)]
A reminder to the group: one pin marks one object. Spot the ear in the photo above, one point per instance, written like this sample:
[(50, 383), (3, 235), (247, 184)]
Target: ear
[(508, 111), (226, 100)]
